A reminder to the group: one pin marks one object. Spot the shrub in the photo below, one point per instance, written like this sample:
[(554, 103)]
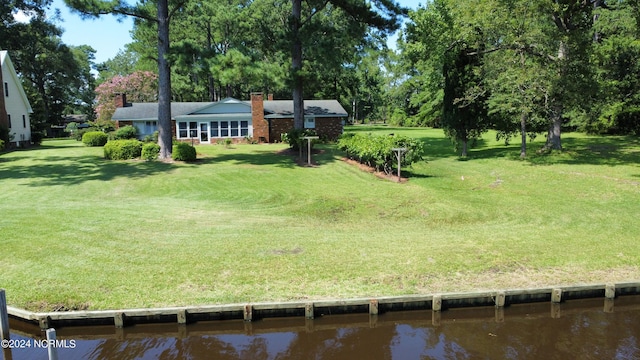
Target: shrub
[(295, 137), (152, 138), (122, 149), (183, 152), (125, 132), (80, 133), (36, 138), (4, 136), (94, 138), (150, 151), (376, 151)]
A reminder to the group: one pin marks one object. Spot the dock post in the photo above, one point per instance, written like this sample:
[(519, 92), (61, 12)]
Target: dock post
[(436, 303), (309, 311), (4, 316), (182, 316), (373, 307), (119, 320), (248, 312), (556, 296), (610, 291)]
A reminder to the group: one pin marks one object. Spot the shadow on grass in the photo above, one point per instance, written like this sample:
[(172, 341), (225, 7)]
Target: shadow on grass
[(57, 170), (604, 150)]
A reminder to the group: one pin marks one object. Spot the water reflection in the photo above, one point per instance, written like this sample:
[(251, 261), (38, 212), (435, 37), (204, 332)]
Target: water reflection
[(577, 329)]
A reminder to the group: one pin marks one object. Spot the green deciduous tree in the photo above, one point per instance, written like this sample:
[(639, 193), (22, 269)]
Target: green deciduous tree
[(56, 77)]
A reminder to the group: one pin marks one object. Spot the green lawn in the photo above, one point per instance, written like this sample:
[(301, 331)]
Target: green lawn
[(245, 224)]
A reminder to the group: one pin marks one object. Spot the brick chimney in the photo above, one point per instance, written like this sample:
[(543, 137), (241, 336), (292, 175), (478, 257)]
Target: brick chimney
[(121, 100), (260, 125)]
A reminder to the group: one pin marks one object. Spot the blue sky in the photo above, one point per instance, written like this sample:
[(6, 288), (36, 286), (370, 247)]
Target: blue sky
[(107, 35)]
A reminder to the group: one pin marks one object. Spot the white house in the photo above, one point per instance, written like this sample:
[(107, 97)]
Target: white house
[(14, 105)]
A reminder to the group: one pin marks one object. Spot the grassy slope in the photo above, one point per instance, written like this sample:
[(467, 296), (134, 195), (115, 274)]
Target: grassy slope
[(245, 224)]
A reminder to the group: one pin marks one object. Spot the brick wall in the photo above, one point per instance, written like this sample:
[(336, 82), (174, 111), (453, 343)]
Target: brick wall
[(278, 127), (327, 128)]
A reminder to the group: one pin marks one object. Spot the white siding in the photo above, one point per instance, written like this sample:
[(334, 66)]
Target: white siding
[(16, 103)]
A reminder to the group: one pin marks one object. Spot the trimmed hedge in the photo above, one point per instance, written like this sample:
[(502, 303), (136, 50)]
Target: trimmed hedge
[(376, 151), (183, 152), (150, 151), (125, 132), (94, 138), (122, 149)]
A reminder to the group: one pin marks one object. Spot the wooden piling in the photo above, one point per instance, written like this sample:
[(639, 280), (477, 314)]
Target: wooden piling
[(248, 312), (118, 319), (436, 303), (182, 316), (373, 307), (309, 311), (556, 296), (610, 291), (43, 321), (4, 316)]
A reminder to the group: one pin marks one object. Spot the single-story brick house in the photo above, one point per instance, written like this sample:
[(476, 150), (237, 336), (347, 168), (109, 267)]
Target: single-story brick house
[(208, 122)]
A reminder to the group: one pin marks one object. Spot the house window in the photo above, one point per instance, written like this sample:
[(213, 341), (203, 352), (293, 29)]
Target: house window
[(235, 129), (309, 122), (244, 128), (213, 128), (9, 119), (187, 130), (24, 121), (6, 89), (224, 129), (150, 127)]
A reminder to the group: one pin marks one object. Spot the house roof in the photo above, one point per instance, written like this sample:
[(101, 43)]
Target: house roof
[(5, 61), (284, 108), (149, 111), (273, 109)]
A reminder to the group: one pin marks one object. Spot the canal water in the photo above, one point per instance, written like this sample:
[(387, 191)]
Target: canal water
[(576, 329)]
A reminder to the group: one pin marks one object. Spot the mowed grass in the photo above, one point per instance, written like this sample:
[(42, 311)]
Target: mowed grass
[(246, 224)]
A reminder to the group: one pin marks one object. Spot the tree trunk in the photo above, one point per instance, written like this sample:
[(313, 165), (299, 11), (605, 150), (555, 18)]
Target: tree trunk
[(553, 137), (465, 141), (523, 132), (164, 82), (296, 66)]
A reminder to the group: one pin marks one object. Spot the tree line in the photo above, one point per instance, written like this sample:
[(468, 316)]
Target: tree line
[(519, 67), (522, 67)]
